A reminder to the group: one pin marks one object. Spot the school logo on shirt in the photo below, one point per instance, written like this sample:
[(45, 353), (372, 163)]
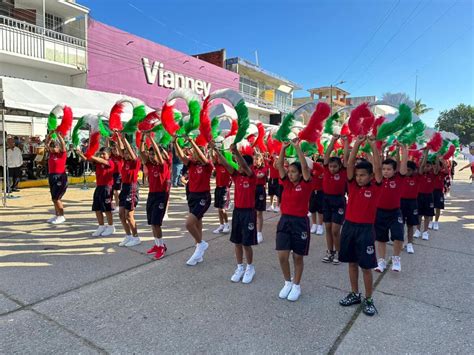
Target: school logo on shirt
[(199, 169), (107, 200), (428, 180), (155, 174), (246, 184), (441, 199), (341, 211), (59, 183), (261, 197), (370, 250), (337, 177), (127, 167), (161, 205), (129, 198), (400, 220), (368, 193), (432, 205), (393, 184), (415, 212), (298, 188), (202, 202), (412, 183), (251, 226), (304, 235)]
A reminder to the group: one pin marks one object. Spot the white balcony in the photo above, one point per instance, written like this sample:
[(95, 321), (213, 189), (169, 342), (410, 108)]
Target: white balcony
[(27, 44)]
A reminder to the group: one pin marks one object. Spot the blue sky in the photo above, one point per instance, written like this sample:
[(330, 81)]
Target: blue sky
[(375, 46)]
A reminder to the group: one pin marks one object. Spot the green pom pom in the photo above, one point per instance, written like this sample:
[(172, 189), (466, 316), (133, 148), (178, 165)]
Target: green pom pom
[(230, 159), (103, 129), (75, 132), (329, 125), (243, 121), (194, 111), (285, 128), (444, 147), (139, 115), (290, 151), (402, 120), (411, 133), (309, 148), (215, 127)]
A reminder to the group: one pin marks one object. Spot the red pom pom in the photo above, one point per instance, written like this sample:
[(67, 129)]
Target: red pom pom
[(94, 142), (115, 120), (450, 152), (167, 119), (435, 142), (361, 120), (314, 128), (66, 122), (233, 129), (260, 141)]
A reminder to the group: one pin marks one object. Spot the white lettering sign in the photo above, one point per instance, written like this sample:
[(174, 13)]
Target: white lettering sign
[(172, 80)]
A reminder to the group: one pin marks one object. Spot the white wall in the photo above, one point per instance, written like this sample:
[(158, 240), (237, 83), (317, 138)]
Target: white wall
[(22, 72)]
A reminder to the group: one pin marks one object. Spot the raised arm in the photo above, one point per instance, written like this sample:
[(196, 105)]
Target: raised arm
[(199, 152), (346, 150), (93, 158), (304, 165), (377, 164), (240, 160), (404, 161), (158, 157), (221, 159), (328, 152), (128, 148), (143, 154), (423, 160), (280, 163), (352, 157), (179, 152), (436, 165), (62, 143)]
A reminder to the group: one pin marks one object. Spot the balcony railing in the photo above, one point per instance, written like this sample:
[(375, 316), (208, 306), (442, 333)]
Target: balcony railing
[(265, 104), (23, 38)]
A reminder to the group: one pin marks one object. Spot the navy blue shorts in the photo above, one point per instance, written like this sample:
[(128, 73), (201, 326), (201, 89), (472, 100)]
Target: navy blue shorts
[(156, 207), (425, 205), (334, 208), (128, 197), (438, 199), (117, 186), (389, 221), (409, 208), (293, 233), (57, 186), (316, 201), (102, 200), (273, 188), (260, 198), (198, 203), (357, 244), (244, 227), (221, 197)]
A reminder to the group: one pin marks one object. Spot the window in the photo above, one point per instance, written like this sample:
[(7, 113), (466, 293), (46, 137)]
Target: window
[(54, 23), (248, 86)]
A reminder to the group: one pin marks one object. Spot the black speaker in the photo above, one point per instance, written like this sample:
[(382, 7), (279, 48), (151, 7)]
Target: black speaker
[(275, 119)]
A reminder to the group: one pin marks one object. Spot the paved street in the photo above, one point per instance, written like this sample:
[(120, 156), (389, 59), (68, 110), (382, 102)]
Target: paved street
[(63, 291)]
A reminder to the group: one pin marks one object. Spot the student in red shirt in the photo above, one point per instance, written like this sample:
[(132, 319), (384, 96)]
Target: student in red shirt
[(293, 230), (102, 200), (357, 238), (389, 218), (426, 179), (317, 198), (409, 204), (334, 202), (128, 197), (260, 170), (273, 184), (244, 218), (438, 192), (199, 198), (158, 163), (222, 195), (118, 164), (57, 175)]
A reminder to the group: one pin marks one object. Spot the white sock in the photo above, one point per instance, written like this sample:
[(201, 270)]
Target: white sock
[(240, 266), (314, 225), (296, 286), (159, 242), (259, 234), (221, 226), (250, 266)]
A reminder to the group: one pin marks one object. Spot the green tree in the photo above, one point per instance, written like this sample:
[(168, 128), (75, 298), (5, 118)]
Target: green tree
[(420, 108), (460, 121)]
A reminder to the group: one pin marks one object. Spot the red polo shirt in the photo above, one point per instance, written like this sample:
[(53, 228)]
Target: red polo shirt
[(244, 190), (57, 163), (362, 204), (295, 197), (158, 177), (334, 184), (118, 163), (104, 175), (130, 171), (391, 192), (274, 174), (317, 176), (426, 183), (222, 176), (199, 177), (439, 180), (410, 187), (262, 170)]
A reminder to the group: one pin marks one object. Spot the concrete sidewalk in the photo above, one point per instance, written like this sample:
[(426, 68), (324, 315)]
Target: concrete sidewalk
[(62, 291)]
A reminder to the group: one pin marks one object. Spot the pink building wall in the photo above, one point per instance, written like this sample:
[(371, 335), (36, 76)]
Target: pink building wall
[(115, 65)]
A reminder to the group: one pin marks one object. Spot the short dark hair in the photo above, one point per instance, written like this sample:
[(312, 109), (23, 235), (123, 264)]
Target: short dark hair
[(365, 165), (248, 159), (391, 162), (335, 160), (411, 165), (105, 150), (297, 165)]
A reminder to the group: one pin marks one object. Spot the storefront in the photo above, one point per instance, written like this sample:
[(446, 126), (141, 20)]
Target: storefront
[(123, 63)]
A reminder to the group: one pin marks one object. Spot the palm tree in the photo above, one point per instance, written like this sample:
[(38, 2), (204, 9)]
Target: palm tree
[(420, 108)]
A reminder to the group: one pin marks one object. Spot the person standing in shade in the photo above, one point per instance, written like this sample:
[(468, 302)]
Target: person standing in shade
[(14, 163)]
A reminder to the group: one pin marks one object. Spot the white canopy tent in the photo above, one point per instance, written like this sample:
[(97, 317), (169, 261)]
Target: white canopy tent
[(41, 98)]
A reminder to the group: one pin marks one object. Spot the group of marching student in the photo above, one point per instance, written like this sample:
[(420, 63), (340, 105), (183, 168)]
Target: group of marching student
[(383, 194)]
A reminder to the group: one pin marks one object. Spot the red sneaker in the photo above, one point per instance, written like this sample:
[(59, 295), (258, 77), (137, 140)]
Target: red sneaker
[(161, 252), (154, 249)]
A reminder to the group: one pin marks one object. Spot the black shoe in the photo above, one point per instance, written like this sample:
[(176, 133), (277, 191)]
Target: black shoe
[(16, 190), (350, 299), (368, 307)]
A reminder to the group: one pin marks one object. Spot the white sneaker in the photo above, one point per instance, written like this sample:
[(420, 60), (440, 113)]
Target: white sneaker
[(125, 240), (166, 217), (276, 209), (259, 237), (430, 225), (396, 264), (270, 209), (410, 249), (417, 234), (320, 229), (309, 214), (238, 273), (381, 265), (314, 228), (52, 219), (99, 231), (448, 194), (249, 274), (219, 229), (294, 293), (109, 230), (115, 210), (133, 241), (425, 236), (59, 220), (285, 291), (435, 226), (226, 228), (198, 254)]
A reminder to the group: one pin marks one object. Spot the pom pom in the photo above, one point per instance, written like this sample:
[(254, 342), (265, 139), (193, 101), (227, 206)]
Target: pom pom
[(194, 112), (435, 142), (285, 128), (260, 141), (94, 142), (329, 124), (411, 133), (66, 122), (309, 148), (215, 127), (75, 132), (361, 120), (450, 152), (345, 131), (230, 160), (314, 128), (377, 123), (139, 115), (205, 135), (402, 120), (243, 121), (233, 129), (115, 118), (167, 119), (103, 130)]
